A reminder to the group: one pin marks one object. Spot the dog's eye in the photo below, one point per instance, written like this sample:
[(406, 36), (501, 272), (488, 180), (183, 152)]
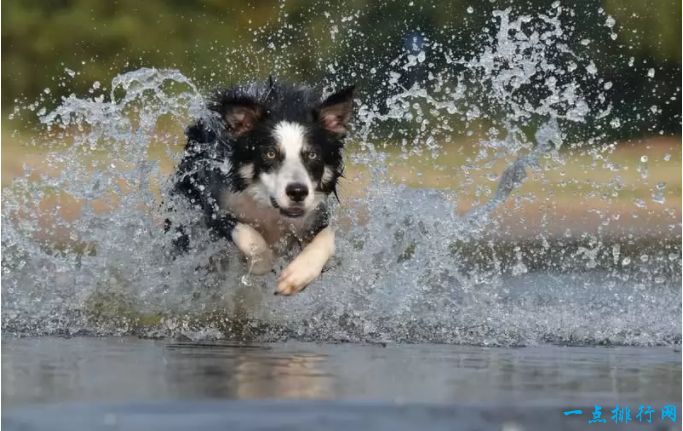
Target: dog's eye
[(312, 155), (270, 154)]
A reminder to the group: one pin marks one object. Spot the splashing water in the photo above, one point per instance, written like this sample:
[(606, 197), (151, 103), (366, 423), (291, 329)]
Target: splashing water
[(84, 250)]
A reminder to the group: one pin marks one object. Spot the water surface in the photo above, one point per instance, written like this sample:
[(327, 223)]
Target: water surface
[(116, 369), (84, 382)]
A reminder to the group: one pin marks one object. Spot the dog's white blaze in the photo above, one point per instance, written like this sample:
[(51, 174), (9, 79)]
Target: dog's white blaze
[(291, 138)]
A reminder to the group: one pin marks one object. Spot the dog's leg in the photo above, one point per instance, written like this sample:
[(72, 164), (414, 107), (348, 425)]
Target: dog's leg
[(308, 265), (254, 247)]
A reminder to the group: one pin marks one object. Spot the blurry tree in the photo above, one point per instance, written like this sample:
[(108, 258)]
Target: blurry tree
[(223, 41)]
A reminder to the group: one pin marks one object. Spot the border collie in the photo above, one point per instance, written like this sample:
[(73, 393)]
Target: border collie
[(261, 168)]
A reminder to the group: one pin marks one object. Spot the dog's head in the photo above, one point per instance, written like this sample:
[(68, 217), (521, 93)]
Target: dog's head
[(286, 143)]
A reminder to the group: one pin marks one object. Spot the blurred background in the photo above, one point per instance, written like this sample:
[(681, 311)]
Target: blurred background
[(98, 40), (53, 48)]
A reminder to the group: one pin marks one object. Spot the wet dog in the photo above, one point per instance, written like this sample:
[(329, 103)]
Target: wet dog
[(261, 168)]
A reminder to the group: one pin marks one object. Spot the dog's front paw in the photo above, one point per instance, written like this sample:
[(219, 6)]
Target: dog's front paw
[(260, 264), (259, 256), (297, 275)]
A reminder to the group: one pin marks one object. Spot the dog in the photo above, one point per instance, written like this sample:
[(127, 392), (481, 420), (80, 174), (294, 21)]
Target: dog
[(261, 168)]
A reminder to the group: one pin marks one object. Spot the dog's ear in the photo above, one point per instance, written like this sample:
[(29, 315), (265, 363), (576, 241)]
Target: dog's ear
[(335, 111), (241, 115)]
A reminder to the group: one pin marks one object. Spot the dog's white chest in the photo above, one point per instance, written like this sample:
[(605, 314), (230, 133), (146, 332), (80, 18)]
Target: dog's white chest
[(278, 231)]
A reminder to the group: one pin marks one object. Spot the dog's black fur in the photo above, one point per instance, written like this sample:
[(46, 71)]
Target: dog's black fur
[(238, 133)]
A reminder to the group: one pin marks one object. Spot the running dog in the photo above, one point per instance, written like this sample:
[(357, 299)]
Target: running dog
[(261, 168)]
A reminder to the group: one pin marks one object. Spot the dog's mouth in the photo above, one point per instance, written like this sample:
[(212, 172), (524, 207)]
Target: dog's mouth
[(291, 212)]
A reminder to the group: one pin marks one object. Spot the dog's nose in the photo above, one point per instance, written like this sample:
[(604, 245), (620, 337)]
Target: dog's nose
[(297, 192)]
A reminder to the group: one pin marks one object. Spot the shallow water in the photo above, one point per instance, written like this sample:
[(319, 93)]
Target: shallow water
[(593, 307), (461, 384)]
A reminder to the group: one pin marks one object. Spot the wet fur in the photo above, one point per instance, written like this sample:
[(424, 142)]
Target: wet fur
[(258, 141)]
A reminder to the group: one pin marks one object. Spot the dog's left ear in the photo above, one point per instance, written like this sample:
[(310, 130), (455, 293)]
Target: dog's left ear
[(335, 111)]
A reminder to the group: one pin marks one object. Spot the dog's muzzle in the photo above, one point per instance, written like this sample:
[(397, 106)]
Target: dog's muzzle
[(291, 212)]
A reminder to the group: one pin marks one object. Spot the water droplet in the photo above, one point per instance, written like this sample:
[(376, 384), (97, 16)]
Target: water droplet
[(519, 268), (591, 68), (651, 72), (470, 9), (658, 193)]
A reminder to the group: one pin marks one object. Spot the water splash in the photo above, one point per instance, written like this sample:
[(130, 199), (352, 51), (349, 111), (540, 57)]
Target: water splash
[(84, 250)]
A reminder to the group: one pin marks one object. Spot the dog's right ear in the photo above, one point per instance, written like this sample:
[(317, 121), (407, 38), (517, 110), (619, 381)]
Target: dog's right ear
[(239, 111), (241, 115)]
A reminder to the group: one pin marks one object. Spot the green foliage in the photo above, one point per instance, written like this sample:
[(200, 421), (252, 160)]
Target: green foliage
[(650, 28), (223, 41)]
